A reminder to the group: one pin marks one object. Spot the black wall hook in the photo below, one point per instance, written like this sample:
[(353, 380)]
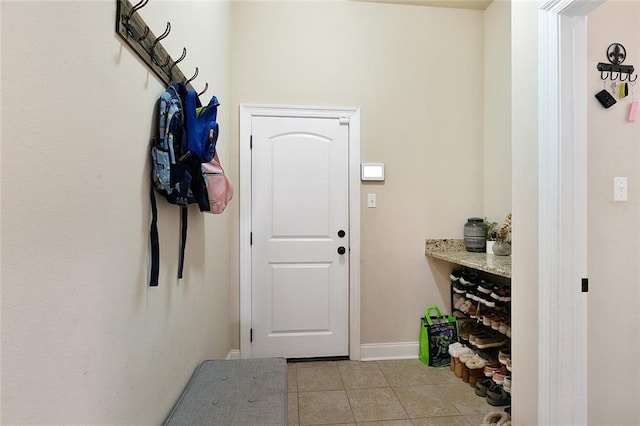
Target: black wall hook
[(616, 55), (206, 86), (184, 54), (186, 83), (136, 8), (164, 35), (144, 35)]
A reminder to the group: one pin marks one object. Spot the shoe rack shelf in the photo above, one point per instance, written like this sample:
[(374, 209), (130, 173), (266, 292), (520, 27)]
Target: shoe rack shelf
[(452, 250), (484, 319)]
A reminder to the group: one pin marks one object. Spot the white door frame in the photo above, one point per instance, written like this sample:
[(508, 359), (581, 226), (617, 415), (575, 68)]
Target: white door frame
[(247, 112), (562, 211)]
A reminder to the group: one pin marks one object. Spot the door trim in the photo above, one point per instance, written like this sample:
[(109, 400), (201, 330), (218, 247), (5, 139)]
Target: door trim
[(247, 112), (562, 220)]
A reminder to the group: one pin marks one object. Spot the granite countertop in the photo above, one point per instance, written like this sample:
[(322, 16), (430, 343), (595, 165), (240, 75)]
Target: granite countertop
[(452, 250)]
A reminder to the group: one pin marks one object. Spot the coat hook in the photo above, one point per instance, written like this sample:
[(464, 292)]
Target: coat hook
[(206, 86), (622, 76), (633, 79), (184, 54), (186, 83), (135, 8), (162, 36), (157, 40), (144, 35), (603, 76), (616, 77)]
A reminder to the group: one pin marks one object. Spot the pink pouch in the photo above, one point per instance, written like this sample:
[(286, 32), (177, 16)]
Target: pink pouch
[(219, 186)]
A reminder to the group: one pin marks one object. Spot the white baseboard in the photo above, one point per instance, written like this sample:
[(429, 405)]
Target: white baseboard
[(371, 351), (233, 354), (382, 351)]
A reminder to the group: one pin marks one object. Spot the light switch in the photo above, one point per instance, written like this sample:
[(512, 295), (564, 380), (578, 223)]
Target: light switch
[(371, 201), (620, 189)]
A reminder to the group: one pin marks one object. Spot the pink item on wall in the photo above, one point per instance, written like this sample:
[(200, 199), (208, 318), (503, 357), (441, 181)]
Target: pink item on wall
[(633, 111)]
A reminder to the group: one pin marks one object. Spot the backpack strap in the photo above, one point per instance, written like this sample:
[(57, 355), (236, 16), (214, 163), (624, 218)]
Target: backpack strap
[(184, 213), (153, 238)]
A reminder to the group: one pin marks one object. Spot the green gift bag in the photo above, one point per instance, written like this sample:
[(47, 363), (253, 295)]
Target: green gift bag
[(437, 332)]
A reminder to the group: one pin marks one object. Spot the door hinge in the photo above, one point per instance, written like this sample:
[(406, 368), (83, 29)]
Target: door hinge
[(251, 336), (251, 142), (250, 238), (585, 285)]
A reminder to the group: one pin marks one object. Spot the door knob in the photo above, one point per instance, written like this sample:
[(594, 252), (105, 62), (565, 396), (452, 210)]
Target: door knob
[(341, 233), (342, 250)]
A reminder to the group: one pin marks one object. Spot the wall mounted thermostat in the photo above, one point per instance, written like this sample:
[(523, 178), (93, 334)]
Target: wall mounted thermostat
[(372, 171)]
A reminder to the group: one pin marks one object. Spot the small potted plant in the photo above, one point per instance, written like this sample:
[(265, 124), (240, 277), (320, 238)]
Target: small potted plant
[(502, 246), (491, 233)]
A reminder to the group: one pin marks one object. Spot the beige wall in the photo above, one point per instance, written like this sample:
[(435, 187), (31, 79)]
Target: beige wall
[(614, 229), (524, 167), (417, 75), (497, 111), (84, 340)]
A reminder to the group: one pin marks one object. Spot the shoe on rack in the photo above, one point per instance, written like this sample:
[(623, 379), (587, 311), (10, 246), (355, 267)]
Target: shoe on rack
[(473, 311), (488, 318), (485, 287), (455, 275), (506, 385), (490, 341), (482, 386), (504, 327), (469, 277), (497, 397), (495, 323), (475, 335), (499, 376), (467, 328), (504, 355), (458, 302), (491, 368)]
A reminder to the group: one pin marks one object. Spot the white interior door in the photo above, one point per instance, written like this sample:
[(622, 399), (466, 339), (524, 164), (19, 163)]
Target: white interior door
[(300, 237)]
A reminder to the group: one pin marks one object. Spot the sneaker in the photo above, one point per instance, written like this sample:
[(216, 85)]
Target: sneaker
[(468, 278), (506, 384), (504, 355), (497, 322), (485, 287), (499, 376), (455, 275), (491, 368), (488, 318), (504, 327), (458, 288)]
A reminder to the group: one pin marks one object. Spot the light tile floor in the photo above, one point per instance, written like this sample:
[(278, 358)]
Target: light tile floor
[(384, 393)]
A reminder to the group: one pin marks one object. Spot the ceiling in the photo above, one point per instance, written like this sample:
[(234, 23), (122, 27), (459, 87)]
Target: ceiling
[(456, 4)]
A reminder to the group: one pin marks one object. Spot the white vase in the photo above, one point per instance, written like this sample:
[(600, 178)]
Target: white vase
[(490, 247)]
